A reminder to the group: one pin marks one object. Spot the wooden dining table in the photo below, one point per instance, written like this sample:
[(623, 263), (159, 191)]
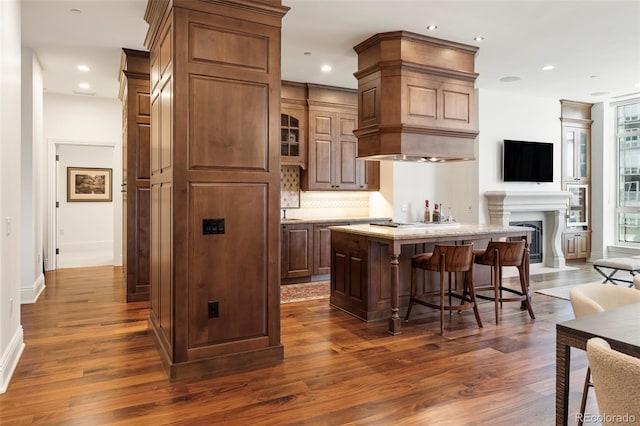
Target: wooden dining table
[(620, 327)]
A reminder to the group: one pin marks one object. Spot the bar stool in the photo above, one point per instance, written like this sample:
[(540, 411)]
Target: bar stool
[(499, 254), (443, 259)]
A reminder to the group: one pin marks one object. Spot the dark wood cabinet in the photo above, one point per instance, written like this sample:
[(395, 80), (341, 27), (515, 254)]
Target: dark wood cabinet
[(136, 125), (305, 249), (215, 148), (322, 247), (296, 250), (293, 124), (368, 175), (332, 151), (332, 146)]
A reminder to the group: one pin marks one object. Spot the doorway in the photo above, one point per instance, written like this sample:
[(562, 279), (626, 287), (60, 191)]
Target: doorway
[(83, 233)]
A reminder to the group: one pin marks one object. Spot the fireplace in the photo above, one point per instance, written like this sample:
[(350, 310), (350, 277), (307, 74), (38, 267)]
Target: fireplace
[(535, 245), (551, 204)]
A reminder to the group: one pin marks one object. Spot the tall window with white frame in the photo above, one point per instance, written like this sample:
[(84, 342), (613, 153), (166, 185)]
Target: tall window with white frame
[(628, 138)]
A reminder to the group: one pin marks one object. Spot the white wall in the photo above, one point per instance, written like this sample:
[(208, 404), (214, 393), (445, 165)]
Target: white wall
[(461, 185), (85, 229), (11, 334), (96, 124), (32, 180), (507, 116)]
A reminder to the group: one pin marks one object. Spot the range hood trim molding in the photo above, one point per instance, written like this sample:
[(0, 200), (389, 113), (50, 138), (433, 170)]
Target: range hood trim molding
[(418, 130), (387, 68), (408, 35)]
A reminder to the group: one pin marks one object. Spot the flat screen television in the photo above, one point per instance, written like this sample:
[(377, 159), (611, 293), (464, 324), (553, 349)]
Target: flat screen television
[(526, 161)]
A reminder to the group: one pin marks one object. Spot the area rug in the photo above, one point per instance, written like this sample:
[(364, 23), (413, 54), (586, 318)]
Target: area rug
[(303, 292), (559, 292)]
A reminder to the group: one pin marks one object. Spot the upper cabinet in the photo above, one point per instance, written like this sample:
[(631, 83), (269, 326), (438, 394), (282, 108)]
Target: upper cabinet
[(576, 141), (316, 132), (576, 144), (293, 124)]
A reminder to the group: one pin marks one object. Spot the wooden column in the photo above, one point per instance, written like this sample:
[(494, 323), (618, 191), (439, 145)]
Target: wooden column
[(136, 126), (215, 184)]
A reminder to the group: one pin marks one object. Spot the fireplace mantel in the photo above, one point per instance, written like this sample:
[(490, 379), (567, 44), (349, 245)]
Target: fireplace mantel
[(552, 203)]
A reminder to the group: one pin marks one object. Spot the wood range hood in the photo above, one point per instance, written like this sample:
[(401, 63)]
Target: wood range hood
[(416, 98)]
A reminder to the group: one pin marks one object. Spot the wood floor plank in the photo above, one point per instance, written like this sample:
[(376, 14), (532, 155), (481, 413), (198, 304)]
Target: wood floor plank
[(89, 360)]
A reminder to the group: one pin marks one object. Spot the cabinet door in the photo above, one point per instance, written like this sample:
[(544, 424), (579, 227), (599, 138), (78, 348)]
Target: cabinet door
[(293, 136), (368, 175), (319, 173), (322, 248), (345, 150), (578, 205), (576, 147), (577, 245), (296, 247)]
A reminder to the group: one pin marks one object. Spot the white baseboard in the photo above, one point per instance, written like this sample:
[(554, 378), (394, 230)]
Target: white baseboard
[(80, 255), (30, 294), (10, 358)]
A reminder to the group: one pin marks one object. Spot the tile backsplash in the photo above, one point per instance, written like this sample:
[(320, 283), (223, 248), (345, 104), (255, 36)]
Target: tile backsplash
[(318, 204), (289, 186)]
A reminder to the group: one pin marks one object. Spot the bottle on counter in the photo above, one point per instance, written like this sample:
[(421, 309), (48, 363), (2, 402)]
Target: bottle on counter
[(427, 212), (450, 216), (436, 214)]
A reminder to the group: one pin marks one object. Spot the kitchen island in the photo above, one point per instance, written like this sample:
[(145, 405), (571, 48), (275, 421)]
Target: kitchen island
[(371, 263)]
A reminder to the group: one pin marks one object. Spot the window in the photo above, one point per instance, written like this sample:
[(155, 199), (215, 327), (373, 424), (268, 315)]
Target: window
[(628, 139)]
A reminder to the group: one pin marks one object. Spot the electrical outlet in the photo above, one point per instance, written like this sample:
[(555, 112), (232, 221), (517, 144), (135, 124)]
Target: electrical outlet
[(213, 309)]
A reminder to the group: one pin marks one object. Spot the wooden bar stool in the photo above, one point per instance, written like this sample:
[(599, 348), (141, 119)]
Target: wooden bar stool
[(499, 254), (443, 259)]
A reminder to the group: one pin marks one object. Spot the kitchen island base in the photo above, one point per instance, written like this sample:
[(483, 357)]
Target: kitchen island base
[(371, 265)]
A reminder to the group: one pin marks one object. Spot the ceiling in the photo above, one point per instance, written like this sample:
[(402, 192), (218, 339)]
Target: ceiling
[(594, 45)]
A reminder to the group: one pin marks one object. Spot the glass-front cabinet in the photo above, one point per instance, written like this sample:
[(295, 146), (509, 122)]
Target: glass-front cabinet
[(576, 176), (578, 214), (576, 153)]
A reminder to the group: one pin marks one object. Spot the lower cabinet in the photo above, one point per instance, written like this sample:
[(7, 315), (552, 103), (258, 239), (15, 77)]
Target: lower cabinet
[(322, 248), (577, 244), (296, 248), (305, 249)]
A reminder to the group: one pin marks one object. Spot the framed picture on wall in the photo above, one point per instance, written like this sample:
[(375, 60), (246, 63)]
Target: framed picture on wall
[(88, 184)]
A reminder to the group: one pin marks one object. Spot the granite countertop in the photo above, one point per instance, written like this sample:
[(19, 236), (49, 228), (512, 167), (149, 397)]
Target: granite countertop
[(418, 230), (289, 221)]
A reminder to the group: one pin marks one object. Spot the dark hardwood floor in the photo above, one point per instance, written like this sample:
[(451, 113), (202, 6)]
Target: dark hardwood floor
[(89, 360)]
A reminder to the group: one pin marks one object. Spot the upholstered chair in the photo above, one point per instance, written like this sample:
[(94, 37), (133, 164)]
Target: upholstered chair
[(588, 299), (615, 380)]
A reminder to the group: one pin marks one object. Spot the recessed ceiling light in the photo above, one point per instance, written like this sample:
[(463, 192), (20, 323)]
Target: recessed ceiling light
[(75, 11), (478, 38), (509, 79), (548, 67), (326, 68), (84, 85), (432, 27), (599, 93), (83, 68)]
